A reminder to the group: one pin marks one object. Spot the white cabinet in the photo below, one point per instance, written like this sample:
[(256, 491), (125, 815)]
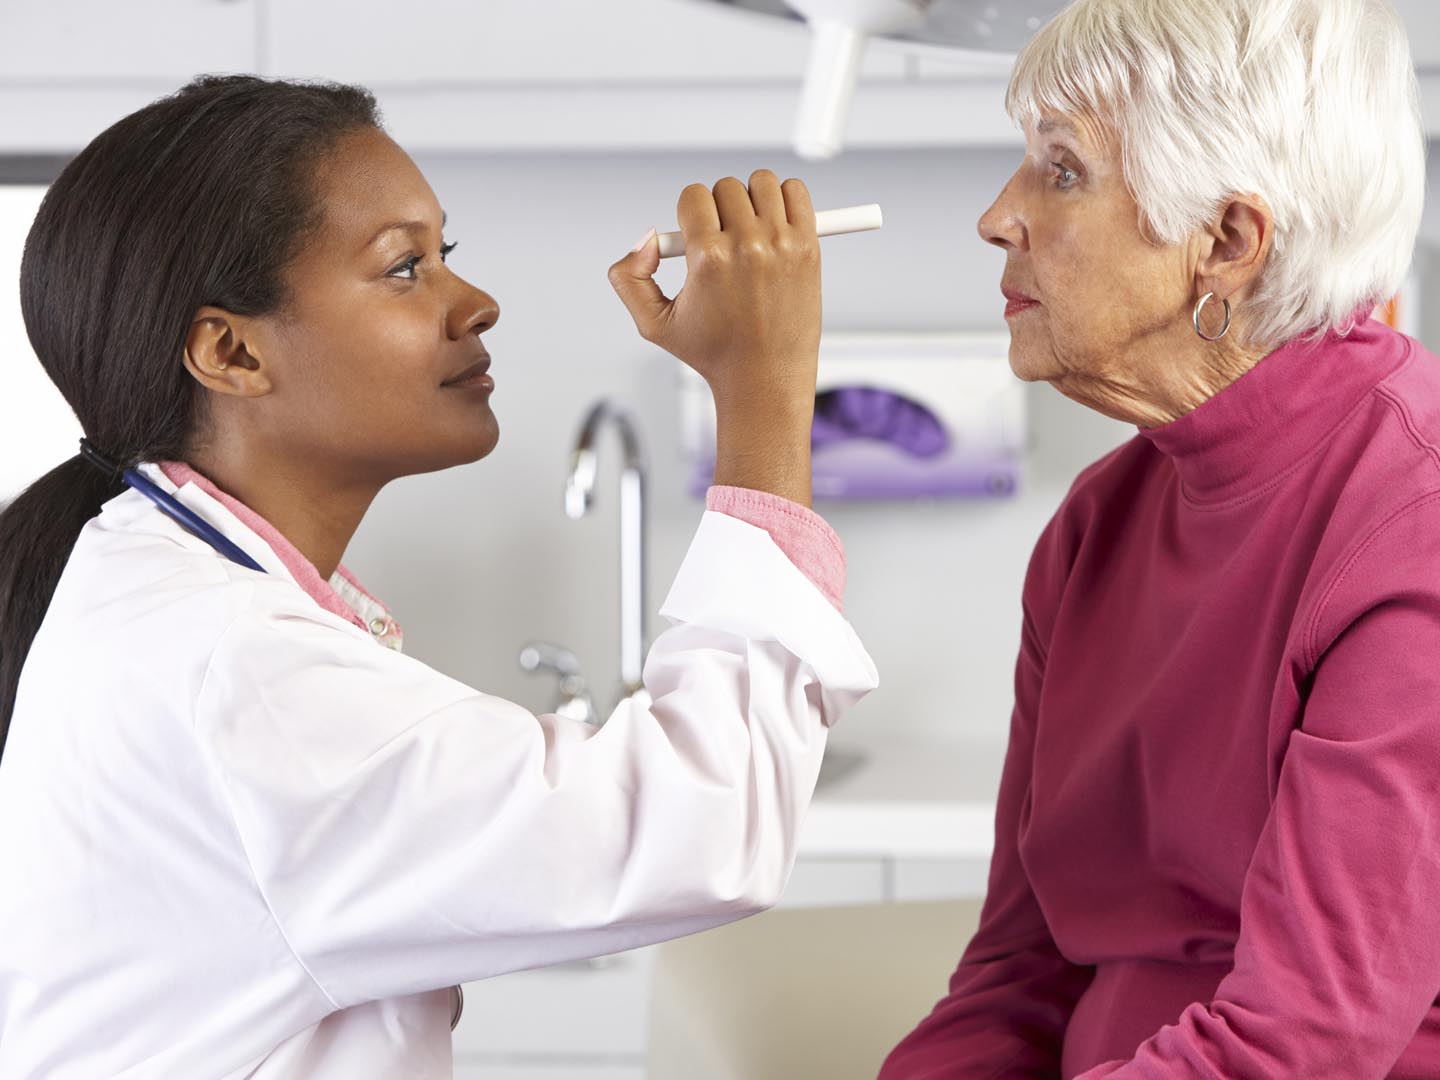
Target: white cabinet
[(938, 879), (94, 42), (829, 882), (510, 75), (593, 1015), (562, 42), (589, 1021), (521, 1070), (595, 1010)]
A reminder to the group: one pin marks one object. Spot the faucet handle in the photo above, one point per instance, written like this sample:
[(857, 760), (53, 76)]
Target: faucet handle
[(543, 656), (574, 700)]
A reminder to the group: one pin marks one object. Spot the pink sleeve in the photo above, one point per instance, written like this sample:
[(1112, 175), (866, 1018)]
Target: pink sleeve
[(1338, 957), (798, 531), (1012, 994)]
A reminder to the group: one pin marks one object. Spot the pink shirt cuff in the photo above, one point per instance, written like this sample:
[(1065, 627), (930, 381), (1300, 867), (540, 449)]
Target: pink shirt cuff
[(803, 535)]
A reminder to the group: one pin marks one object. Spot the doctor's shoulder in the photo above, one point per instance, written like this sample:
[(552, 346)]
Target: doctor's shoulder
[(136, 577)]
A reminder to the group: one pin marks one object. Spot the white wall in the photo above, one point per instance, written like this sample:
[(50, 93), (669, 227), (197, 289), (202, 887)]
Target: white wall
[(37, 428)]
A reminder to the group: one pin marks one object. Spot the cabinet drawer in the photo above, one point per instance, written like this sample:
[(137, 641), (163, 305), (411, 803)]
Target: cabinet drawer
[(823, 882), (520, 1070), (595, 1008), (939, 879)]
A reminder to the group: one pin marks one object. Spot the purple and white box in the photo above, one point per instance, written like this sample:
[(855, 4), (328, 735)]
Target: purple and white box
[(897, 416)]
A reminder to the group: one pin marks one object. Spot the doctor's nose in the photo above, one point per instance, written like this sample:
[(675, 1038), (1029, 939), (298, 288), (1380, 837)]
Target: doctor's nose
[(476, 312)]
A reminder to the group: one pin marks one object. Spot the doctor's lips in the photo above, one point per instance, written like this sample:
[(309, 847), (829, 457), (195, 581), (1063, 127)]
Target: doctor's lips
[(1018, 301), (474, 377)]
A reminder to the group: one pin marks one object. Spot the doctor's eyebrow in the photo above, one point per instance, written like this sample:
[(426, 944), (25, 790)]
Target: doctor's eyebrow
[(411, 226)]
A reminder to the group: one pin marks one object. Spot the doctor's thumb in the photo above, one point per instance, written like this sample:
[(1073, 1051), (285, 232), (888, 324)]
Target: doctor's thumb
[(633, 279)]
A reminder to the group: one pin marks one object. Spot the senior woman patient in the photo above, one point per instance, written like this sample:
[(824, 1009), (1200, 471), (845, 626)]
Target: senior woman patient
[(1217, 847)]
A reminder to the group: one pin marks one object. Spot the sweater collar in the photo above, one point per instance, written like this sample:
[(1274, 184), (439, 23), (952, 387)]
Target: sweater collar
[(1270, 418)]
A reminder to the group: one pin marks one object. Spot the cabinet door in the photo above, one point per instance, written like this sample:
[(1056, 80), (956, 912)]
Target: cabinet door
[(91, 41), (528, 41)]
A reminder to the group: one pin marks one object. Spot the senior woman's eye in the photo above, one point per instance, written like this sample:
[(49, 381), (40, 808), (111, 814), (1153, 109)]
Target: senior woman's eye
[(1064, 176)]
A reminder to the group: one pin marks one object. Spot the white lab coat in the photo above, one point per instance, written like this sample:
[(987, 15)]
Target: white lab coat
[(239, 838)]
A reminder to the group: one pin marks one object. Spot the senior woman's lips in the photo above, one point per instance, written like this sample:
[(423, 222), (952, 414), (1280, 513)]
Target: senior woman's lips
[(1018, 301)]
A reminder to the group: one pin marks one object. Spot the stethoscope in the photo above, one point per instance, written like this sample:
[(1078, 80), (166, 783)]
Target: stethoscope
[(171, 507), (193, 523)]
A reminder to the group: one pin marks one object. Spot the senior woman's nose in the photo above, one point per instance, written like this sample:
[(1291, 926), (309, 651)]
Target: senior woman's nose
[(1002, 224), (474, 312)]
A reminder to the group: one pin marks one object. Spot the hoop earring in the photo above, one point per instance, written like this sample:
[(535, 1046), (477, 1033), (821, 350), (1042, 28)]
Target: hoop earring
[(1201, 307)]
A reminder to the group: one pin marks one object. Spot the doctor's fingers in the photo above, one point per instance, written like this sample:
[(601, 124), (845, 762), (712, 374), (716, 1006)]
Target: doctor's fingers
[(633, 279), (767, 200), (697, 214), (737, 213), (798, 209)]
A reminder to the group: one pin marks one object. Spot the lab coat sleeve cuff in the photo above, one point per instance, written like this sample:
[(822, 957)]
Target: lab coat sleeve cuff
[(736, 580), (804, 536)]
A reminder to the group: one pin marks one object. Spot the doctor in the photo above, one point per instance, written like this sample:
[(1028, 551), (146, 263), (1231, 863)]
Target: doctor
[(242, 835)]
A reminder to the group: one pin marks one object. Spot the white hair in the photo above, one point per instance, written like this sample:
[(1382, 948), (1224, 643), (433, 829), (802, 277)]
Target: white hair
[(1310, 104)]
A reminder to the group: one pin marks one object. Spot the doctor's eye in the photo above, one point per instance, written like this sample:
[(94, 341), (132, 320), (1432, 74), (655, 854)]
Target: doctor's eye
[(406, 267)]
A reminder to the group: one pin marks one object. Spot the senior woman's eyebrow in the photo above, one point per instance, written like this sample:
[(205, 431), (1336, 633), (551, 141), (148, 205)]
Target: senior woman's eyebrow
[(408, 226), (1044, 127)]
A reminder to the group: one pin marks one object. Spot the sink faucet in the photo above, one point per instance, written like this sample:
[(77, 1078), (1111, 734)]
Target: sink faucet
[(579, 496), (574, 699)]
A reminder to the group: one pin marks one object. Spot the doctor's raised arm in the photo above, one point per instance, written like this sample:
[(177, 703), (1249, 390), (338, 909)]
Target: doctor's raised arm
[(243, 833)]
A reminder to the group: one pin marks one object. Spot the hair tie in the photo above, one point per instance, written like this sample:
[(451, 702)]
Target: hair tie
[(99, 460)]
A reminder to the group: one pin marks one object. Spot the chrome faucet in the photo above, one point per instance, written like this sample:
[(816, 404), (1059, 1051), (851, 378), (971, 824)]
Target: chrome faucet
[(574, 697), (579, 497)]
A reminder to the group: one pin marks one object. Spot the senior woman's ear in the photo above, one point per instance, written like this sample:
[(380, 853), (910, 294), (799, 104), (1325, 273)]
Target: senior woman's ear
[(1235, 247)]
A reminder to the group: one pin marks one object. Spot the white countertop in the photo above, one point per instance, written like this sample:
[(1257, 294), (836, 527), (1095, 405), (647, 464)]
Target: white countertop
[(905, 797)]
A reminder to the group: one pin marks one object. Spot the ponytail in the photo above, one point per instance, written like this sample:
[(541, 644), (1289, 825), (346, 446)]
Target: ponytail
[(201, 198)]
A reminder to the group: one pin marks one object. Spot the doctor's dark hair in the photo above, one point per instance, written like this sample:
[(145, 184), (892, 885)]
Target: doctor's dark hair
[(203, 197)]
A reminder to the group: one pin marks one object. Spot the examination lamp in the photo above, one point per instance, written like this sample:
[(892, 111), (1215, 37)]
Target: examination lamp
[(980, 32)]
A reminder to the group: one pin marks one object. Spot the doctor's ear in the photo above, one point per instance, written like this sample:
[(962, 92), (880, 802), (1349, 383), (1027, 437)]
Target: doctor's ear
[(219, 355)]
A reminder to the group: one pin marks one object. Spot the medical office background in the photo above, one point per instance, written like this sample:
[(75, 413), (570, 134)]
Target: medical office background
[(554, 134)]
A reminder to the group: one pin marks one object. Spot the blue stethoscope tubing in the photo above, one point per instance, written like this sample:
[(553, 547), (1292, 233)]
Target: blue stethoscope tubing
[(188, 520)]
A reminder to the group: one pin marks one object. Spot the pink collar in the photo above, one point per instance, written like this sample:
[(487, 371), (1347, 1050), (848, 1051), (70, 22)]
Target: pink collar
[(301, 568)]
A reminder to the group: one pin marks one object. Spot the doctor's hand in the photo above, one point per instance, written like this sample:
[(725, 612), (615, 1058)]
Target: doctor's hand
[(747, 319)]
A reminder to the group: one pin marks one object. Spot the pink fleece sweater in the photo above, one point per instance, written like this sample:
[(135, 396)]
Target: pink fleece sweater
[(1218, 833)]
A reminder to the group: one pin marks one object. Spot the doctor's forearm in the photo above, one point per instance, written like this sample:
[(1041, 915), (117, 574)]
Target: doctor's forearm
[(765, 445)]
